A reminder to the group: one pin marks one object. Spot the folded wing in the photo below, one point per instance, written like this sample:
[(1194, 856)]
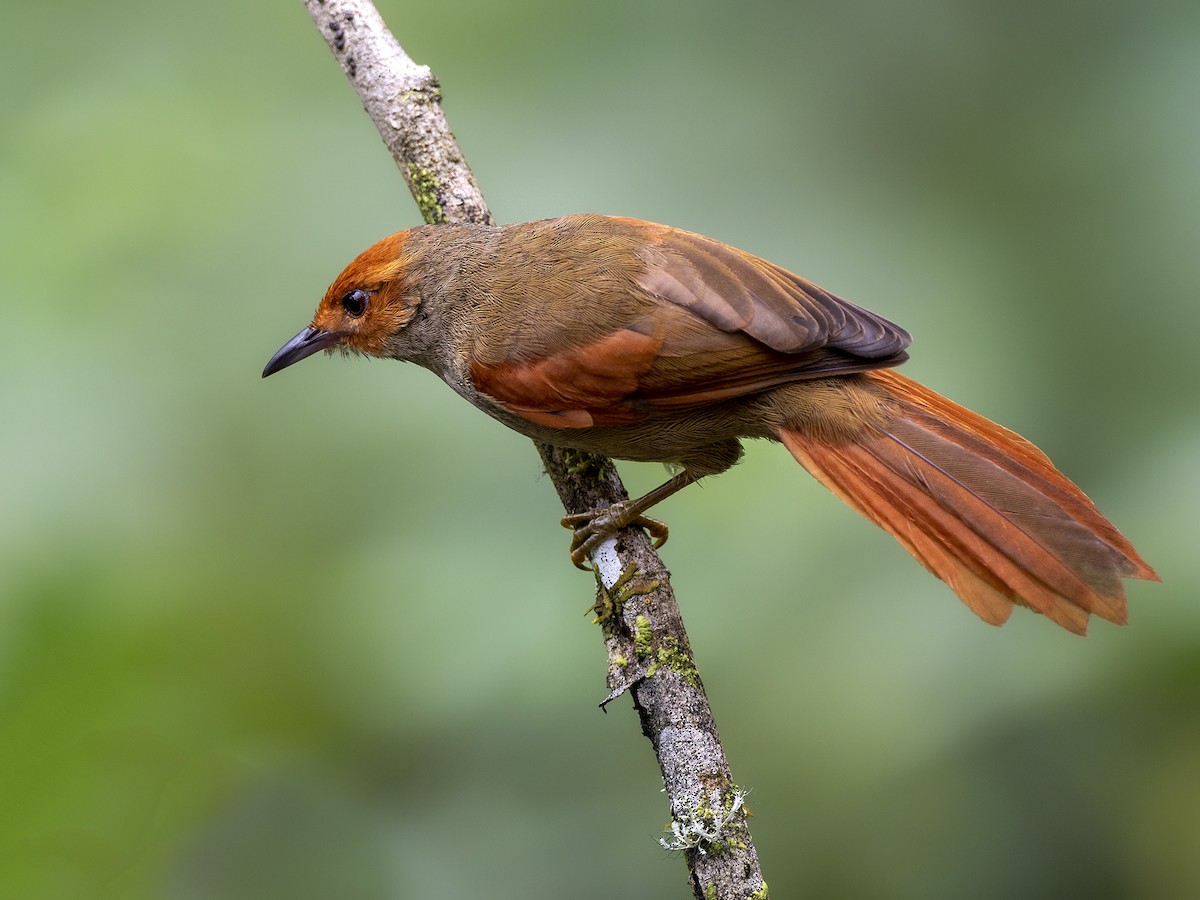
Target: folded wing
[(709, 323)]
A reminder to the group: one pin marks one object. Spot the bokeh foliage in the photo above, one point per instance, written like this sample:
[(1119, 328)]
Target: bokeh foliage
[(318, 636)]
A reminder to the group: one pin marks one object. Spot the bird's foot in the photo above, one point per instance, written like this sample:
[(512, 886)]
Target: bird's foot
[(594, 527)]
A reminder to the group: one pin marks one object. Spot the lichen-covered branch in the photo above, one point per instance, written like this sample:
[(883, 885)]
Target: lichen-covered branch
[(403, 100), (648, 650)]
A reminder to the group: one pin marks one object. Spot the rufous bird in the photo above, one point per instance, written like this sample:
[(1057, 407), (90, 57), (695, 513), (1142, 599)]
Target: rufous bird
[(643, 342)]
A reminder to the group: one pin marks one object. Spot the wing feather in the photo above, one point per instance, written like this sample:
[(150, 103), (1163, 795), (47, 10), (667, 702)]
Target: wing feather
[(660, 318), (735, 291)]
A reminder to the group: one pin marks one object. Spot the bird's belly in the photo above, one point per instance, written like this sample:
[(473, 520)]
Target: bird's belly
[(703, 440)]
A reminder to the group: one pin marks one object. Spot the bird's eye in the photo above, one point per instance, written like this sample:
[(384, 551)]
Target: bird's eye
[(355, 303)]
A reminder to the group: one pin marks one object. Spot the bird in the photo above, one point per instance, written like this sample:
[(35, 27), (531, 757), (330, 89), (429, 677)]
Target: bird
[(640, 341)]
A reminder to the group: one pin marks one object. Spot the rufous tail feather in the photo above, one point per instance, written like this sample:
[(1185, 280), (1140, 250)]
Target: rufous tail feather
[(980, 507)]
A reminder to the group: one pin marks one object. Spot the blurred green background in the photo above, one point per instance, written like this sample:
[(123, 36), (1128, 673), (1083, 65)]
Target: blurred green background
[(318, 636)]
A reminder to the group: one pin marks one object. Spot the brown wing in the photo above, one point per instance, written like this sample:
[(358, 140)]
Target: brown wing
[(734, 291), (709, 323)]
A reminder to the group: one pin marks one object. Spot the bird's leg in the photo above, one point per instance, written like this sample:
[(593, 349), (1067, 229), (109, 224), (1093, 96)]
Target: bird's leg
[(594, 527)]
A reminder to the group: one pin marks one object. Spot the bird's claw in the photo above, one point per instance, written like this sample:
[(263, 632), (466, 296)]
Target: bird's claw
[(594, 527)]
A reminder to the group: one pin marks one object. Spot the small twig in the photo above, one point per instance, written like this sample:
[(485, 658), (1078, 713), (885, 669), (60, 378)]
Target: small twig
[(648, 650)]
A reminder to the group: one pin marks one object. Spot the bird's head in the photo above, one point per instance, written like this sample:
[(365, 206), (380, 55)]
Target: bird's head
[(363, 311)]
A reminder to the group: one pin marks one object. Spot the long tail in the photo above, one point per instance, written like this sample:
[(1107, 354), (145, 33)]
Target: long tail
[(980, 507)]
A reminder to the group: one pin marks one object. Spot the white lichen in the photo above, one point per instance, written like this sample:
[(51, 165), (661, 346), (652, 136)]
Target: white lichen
[(608, 563), (704, 825)]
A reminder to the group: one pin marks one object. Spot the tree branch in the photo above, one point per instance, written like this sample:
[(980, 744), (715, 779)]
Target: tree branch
[(648, 651)]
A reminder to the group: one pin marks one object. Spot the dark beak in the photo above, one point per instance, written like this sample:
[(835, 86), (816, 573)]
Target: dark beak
[(306, 343)]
